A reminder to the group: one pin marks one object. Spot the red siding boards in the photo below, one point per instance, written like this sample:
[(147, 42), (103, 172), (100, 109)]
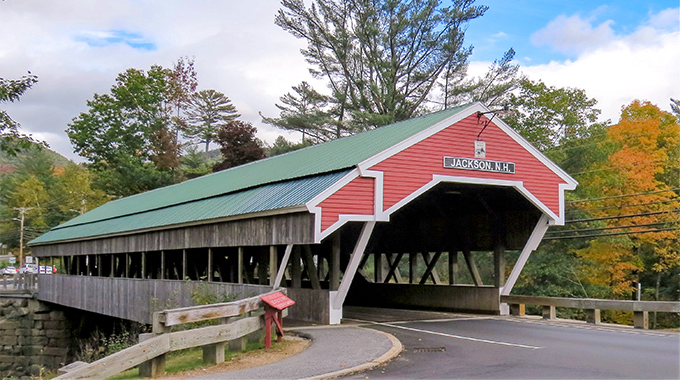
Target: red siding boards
[(413, 167), (355, 198)]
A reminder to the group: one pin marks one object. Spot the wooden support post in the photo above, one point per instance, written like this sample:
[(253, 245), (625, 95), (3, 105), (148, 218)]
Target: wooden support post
[(334, 264), (453, 267), (412, 267), (297, 270), (239, 266), (378, 268), (238, 345), (273, 264), (100, 270), (210, 272), (593, 316), (113, 266), (184, 264), (641, 319), (263, 262), (143, 265), (214, 353), (472, 267), (127, 265), (549, 312), (163, 265), (310, 267), (518, 309)]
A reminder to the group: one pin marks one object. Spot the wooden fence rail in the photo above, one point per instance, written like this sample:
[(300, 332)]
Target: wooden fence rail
[(19, 282), (592, 307), (238, 321)]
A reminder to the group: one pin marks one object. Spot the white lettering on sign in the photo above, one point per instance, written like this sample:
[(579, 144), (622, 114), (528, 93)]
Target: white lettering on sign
[(479, 165)]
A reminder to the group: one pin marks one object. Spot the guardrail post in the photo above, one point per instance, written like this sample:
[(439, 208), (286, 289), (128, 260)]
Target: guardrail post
[(641, 319), (549, 312), (518, 309), (156, 366), (214, 353), (593, 316)]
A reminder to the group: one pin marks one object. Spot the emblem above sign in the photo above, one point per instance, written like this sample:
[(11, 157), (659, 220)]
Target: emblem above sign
[(479, 165)]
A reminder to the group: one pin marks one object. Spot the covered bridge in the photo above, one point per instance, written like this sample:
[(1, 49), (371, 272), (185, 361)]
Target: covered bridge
[(379, 218)]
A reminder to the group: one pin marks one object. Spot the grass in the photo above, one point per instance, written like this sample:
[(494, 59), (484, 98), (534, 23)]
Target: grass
[(186, 360)]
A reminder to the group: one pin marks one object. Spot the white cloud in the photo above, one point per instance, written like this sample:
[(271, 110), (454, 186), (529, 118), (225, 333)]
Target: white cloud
[(642, 65), (77, 48), (573, 34)]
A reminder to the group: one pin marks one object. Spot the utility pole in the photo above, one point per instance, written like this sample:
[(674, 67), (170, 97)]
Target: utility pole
[(22, 213)]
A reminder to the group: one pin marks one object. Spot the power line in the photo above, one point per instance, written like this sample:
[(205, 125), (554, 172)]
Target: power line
[(622, 196), (620, 216), (606, 228), (612, 234), (622, 206)]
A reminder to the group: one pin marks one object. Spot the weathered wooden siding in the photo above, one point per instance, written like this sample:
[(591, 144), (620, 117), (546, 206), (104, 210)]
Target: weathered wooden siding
[(132, 299), (310, 305), (296, 228), (413, 167)]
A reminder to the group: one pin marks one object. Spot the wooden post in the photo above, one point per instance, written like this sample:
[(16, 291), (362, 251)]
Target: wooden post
[(334, 264), (100, 270), (593, 316), (378, 268), (214, 353), (127, 265), (143, 265), (518, 309), (184, 264), (239, 268), (297, 270), (453, 267), (113, 266), (273, 264), (641, 319), (549, 312), (263, 261), (162, 265), (210, 273), (412, 267), (78, 265)]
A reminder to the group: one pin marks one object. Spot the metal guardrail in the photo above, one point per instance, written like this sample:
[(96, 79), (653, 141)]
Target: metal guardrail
[(592, 307), (149, 354)]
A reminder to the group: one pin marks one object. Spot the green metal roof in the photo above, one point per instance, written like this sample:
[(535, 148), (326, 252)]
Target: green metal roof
[(135, 212), (268, 197)]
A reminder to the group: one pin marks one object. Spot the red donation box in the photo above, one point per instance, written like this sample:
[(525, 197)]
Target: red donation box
[(274, 303)]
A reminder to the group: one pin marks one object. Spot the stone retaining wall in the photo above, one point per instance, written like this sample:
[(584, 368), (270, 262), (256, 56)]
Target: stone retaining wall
[(33, 338)]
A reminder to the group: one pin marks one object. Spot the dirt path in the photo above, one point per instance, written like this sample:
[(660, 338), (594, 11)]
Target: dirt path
[(290, 346)]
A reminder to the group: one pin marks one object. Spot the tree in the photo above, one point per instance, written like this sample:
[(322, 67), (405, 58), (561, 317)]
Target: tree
[(281, 146), (551, 117), (195, 163), (307, 111), (11, 141), (182, 86), (492, 89), (238, 145), (209, 110), (77, 192), (380, 58), (127, 133)]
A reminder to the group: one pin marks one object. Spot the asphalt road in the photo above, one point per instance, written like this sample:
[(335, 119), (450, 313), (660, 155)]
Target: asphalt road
[(454, 346)]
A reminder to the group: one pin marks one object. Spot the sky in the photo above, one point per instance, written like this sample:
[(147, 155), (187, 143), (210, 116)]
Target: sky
[(616, 51)]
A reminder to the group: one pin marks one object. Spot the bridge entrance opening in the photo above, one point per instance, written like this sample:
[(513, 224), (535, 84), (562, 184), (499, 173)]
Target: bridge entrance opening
[(449, 249)]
